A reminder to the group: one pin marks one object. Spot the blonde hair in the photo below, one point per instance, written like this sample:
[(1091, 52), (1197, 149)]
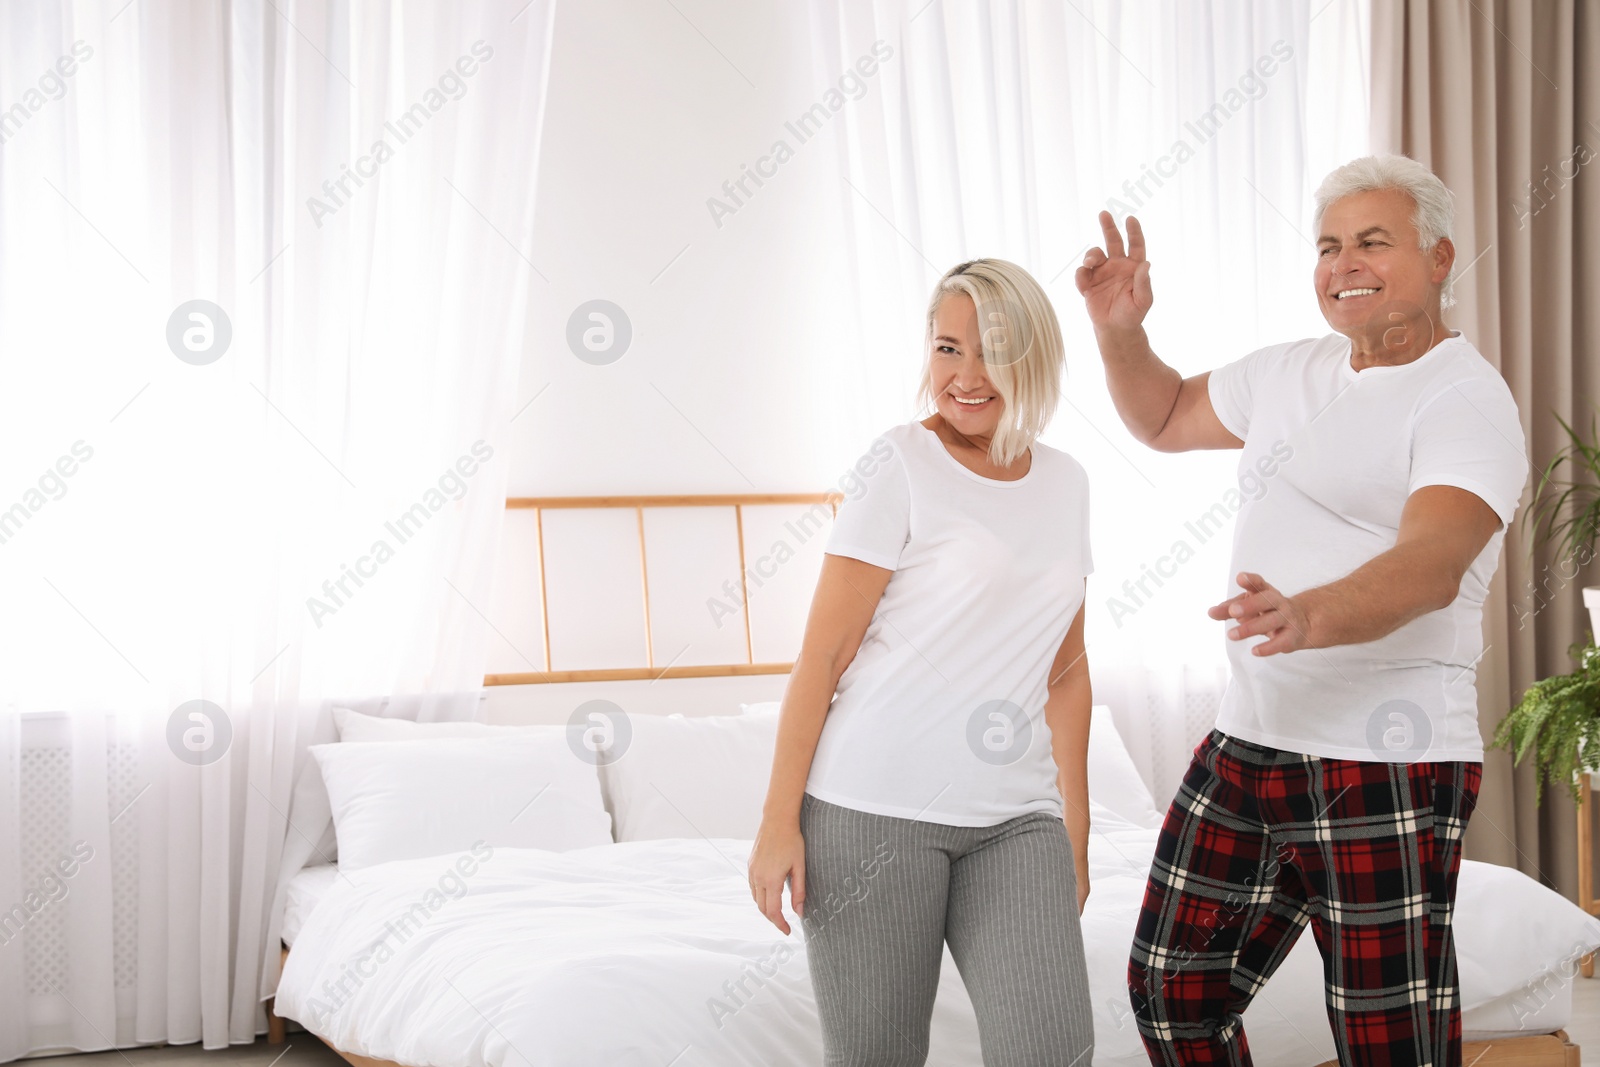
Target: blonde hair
[(1022, 349)]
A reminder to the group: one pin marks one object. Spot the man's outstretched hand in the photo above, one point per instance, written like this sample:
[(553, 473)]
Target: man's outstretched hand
[(1115, 283), (1261, 609)]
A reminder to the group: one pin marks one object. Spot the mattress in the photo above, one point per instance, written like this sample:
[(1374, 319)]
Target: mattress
[(633, 953), (305, 890)]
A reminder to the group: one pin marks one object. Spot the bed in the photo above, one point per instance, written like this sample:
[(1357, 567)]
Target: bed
[(537, 962), (610, 921)]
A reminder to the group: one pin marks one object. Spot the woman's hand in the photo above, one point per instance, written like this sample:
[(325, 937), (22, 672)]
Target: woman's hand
[(1081, 867), (1116, 284), (778, 856)]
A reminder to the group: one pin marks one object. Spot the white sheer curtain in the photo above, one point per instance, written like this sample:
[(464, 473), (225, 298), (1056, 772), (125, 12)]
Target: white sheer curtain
[(1001, 129), (302, 514)]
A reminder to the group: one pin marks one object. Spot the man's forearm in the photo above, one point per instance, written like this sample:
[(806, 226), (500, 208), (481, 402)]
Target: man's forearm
[(1379, 597), (1143, 388)]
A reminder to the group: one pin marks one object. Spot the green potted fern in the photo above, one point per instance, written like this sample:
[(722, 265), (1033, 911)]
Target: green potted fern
[(1559, 717)]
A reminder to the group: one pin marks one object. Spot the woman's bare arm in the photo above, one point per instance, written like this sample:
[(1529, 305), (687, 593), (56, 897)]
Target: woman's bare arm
[(847, 594), (1067, 712)]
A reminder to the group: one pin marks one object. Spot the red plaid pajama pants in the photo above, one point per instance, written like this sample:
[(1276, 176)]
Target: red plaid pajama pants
[(1258, 843)]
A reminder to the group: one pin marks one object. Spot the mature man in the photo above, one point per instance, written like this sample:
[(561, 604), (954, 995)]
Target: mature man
[(1346, 756)]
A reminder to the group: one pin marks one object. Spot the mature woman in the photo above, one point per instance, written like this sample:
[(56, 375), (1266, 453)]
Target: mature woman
[(930, 782)]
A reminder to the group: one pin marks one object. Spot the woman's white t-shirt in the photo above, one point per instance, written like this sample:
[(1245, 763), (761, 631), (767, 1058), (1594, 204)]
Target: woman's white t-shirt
[(940, 715)]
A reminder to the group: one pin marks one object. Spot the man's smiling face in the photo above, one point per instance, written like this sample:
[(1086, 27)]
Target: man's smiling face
[(1368, 259)]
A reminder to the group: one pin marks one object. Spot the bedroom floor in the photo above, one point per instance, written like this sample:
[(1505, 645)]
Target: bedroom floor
[(303, 1050), (1584, 1031)]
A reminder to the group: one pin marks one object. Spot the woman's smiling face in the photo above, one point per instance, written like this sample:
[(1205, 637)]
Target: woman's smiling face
[(958, 375)]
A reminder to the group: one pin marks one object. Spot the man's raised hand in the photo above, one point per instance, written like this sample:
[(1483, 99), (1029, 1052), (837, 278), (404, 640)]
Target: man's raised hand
[(1115, 283)]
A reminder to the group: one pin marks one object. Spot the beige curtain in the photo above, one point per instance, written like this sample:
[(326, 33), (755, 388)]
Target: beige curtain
[(1502, 99)]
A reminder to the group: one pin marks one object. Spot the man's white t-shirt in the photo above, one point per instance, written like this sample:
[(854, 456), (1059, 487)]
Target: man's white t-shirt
[(1342, 450), (940, 715)]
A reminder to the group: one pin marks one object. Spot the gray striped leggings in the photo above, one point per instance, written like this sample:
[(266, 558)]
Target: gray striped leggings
[(883, 895)]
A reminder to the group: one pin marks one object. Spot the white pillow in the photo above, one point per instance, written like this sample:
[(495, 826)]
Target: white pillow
[(1495, 955), (702, 776), (407, 799), (311, 817), (1114, 781)]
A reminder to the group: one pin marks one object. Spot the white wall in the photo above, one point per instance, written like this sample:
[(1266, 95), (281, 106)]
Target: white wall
[(648, 116), (734, 326)]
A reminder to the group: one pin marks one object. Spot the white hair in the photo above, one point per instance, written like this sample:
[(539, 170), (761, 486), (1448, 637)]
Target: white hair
[(1435, 206)]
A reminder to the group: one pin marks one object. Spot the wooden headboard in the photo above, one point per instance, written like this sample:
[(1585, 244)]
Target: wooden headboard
[(738, 502)]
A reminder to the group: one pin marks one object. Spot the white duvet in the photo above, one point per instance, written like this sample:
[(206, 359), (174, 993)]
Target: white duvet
[(652, 954)]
